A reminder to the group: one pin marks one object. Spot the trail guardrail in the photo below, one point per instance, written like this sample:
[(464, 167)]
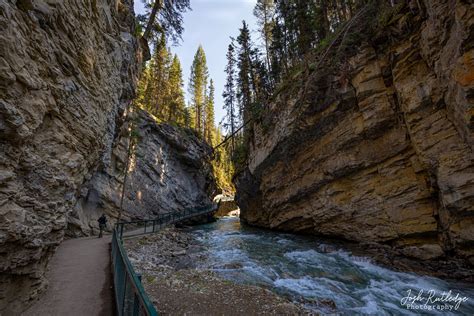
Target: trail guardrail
[(130, 296)]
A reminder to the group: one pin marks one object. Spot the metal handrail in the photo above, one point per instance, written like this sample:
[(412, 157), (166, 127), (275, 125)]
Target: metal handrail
[(130, 296), (160, 221)]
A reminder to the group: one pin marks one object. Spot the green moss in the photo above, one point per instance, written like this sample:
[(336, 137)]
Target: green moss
[(138, 29), (149, 279)]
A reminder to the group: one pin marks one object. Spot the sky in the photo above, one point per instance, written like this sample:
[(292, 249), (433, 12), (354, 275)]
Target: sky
[(211, 23)]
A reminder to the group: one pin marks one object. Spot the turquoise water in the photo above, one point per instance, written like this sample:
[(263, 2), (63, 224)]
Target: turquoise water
[(313, 272)]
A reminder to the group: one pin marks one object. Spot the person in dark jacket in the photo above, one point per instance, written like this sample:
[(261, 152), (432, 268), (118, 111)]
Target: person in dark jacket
[(102, 224)]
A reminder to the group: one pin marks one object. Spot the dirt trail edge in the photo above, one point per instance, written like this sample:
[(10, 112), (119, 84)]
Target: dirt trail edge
[(79, 280)]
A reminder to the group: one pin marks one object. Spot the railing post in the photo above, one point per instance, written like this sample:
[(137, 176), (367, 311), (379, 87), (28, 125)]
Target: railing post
[(127, 283), (124, 290)]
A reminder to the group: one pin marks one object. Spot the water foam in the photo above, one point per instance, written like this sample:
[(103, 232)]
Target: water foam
[(301, 268)]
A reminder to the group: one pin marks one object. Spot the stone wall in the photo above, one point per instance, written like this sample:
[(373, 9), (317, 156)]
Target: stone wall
[(379, 149), (68, 70)]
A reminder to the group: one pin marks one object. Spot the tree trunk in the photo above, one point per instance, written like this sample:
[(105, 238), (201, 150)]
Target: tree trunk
[(324, 13), (265, 35), (158, 5)]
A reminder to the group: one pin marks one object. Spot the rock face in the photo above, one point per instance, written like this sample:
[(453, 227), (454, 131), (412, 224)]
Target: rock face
[(169, 170), (380, 149), (68, 73), (226, 206), (67, 70)]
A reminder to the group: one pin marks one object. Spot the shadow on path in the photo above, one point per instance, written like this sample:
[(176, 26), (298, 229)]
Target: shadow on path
[(79, 280)]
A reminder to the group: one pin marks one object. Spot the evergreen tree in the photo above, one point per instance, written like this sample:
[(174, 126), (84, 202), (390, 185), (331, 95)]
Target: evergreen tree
[(197, 89), (144, 86), (252, 76), (160, 90), (163, 16), (157, 83), (264, 11), (305, 28), (244, 74), (298, 26), (222, 165), (231, 119), (209, 123), (278, 53), (190, 117), (155, 80), (175, 99)]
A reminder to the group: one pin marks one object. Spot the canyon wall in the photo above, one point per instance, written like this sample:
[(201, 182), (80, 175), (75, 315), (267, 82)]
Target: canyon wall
[(380, 148), (68, 70), (169, 170), (68, 73)]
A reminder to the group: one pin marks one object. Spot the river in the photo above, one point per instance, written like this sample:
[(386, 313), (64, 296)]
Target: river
[(315, 272)]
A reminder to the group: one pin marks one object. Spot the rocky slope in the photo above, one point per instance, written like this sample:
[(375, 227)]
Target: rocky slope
[(379, 149), (68, 72), (171, 262)]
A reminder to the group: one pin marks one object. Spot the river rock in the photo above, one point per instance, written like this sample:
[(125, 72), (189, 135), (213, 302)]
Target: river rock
[(379, 149)]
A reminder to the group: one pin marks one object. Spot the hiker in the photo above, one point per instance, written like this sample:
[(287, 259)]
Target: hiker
[(102, 224)]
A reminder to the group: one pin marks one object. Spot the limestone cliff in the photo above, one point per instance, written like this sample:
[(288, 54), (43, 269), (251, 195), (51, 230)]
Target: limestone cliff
[(68, 72), (169, 170), (380, 147)]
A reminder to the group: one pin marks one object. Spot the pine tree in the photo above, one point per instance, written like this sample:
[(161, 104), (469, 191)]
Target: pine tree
[(264, 11), (197, 89), (143, 86), (278, 55), (175, 99), (250, 86), (244, 66), (231, 119), (209, 123), (160, 90), (163, 16), (189, 119), (157, 83), (222, 165)]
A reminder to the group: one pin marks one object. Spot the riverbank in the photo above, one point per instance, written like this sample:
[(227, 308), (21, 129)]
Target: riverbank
[(228, 268), (169, 264)]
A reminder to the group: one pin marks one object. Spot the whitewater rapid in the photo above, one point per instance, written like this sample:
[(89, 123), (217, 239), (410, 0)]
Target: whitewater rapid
[(316, 273)]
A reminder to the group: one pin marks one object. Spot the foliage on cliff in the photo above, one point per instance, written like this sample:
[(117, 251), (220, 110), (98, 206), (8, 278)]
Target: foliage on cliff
[(355, 133), (160, 90), (161, 93), (298, 40), (163, 17)]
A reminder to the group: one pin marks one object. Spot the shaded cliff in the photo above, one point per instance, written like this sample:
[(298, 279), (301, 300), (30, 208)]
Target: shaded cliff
[(68, 73), (169, 171), (376, 146)]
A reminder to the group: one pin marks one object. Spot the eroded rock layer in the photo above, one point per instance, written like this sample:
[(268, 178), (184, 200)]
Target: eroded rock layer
[(68, 70), (380, 149)]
